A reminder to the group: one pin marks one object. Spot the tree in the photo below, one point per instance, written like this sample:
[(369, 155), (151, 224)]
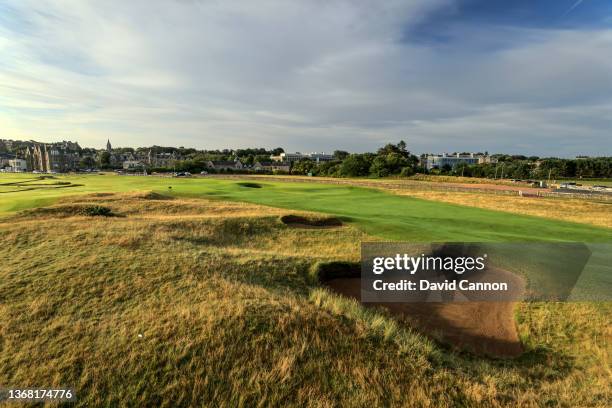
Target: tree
[(330, 168), (356, 165), (407, 172), (105, 159), (249, 160), (385, 165), (303, 167), (341, 154), (401, 146), (389, 148), (87, 162), (462, 169)]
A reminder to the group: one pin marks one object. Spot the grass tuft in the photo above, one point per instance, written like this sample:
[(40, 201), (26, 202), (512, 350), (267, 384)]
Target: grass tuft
[(96, 211)]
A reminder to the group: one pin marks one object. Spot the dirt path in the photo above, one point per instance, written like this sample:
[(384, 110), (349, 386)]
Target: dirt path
[(484, 328)]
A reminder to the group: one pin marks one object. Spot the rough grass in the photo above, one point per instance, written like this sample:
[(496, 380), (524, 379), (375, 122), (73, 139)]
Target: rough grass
[(220, 293), (582, 211), (464, 180)]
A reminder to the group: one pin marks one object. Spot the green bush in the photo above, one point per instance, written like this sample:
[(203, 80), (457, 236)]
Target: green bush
[(407, 172)]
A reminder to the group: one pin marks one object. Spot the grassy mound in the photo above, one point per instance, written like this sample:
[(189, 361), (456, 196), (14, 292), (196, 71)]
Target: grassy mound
[(151, 195), (68, 210)]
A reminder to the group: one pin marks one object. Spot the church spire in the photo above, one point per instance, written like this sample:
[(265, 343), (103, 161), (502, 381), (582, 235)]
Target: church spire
[(108, 146)]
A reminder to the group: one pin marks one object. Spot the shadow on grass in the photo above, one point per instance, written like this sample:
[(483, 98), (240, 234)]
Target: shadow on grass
[(299, 221)]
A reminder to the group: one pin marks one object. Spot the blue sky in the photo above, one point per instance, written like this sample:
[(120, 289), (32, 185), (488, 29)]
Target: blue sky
[(532, 77)]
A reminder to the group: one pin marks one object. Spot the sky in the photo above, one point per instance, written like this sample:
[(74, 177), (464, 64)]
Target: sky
[(520, 77)]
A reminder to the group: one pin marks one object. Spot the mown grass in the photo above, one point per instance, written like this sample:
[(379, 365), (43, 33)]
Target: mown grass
[(594, 211), (199, 302)]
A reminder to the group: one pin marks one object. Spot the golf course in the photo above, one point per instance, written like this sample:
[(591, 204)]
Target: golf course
[(377, 213), (162, 291)]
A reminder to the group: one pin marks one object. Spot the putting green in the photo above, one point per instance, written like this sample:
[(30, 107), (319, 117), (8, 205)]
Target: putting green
[(375, 212)]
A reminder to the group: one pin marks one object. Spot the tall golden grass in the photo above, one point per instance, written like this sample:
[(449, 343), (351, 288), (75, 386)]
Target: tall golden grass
[(205, 303), (576, 210)]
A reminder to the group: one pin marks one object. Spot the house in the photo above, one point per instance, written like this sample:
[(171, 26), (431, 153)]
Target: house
[(297, 156), (486, 159), (17, 165), (48, 157), (5, 158), (272, 166), (320, 157), (224, 165), (132, 165), (163, 159), (438, 161)]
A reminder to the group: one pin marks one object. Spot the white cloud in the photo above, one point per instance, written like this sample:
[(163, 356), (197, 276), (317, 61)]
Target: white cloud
[(307, 75)]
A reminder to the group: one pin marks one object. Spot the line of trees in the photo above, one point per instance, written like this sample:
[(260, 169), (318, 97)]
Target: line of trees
[(397, 160), (392, 159), (521, 167)]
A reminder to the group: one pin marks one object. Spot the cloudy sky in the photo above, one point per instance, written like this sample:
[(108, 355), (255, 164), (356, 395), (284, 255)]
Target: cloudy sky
[(521, 76)]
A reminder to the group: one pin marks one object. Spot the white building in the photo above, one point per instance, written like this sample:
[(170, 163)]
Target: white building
[(18, 165), (132, 165), (297, 156), (272, 166), (437, 161), (320, 157)]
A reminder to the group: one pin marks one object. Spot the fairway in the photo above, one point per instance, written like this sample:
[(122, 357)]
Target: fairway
[(375, 212)]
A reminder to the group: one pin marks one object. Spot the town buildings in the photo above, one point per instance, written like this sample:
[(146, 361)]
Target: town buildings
[(17, 165), (133, 165), (5, 158), (438, 161), (224, 165), (297, 156), (52, 157), (284, 167)]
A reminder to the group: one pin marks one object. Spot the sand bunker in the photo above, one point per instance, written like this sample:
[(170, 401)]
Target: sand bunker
[(150, 195), (484, 328), (299, 221), (250, 185)]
